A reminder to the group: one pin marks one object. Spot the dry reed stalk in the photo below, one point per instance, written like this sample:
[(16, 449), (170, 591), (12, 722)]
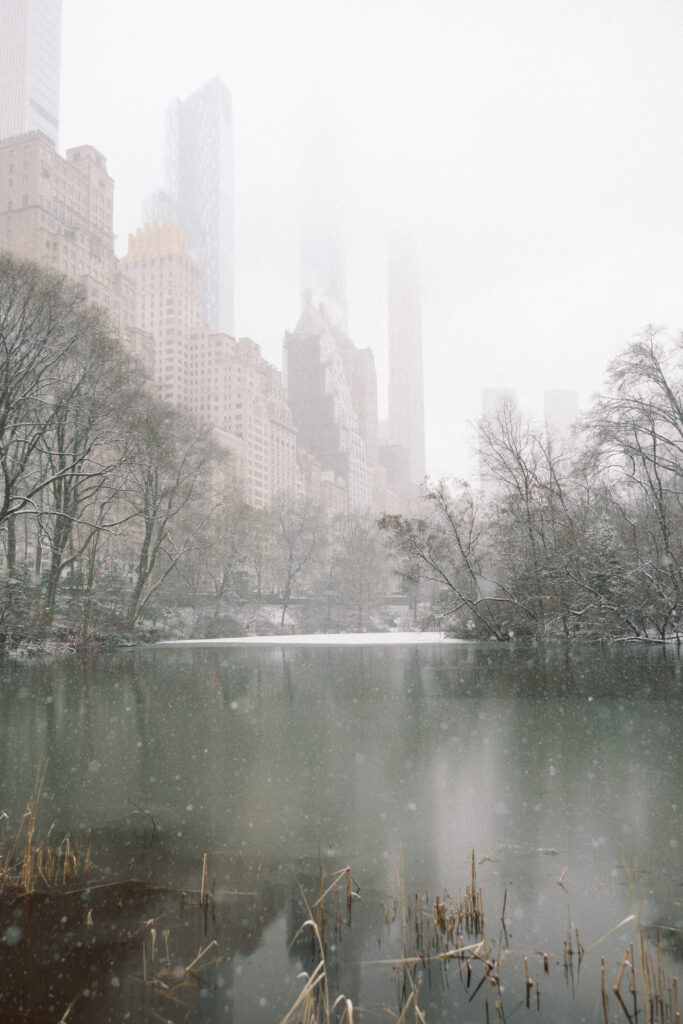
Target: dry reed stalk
[(634, 987), (27, 876), (620, 975), (617, 986), (677, 1016), (348, 1009), (605, 1003), (660, 970), (200, 956)]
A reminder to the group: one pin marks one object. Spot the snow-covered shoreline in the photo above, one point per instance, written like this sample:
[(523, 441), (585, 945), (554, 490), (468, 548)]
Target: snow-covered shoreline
[(320, 640)]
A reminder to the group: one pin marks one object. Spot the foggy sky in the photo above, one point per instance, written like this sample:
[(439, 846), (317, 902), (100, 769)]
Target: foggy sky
[(534, 147)]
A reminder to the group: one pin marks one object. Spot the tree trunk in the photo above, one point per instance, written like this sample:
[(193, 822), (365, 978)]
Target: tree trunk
[(11, 547)]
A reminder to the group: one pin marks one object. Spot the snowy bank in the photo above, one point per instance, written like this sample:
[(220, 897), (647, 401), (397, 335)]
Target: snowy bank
[(321, 640)]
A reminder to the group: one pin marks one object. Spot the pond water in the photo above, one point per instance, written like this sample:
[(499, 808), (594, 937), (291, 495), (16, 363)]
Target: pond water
[(554, 764)]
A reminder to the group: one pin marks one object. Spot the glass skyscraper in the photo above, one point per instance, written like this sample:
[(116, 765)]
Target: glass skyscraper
[(200, 179), (30, 58)]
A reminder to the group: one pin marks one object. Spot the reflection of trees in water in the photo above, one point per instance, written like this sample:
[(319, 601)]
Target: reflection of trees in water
[(104, 960), (438, 748)]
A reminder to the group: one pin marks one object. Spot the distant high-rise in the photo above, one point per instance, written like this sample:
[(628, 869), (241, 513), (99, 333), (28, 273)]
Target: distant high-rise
[(495, 400), (406, 383), (200, 180), (560, 411), (329, 384), (323, 265), (497, 404), (30, 57)]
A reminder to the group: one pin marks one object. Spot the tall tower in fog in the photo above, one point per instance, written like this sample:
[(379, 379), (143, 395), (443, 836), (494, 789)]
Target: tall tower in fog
[(200, 173), (30, 58), (406, 378), (560, 411), (323, 268)]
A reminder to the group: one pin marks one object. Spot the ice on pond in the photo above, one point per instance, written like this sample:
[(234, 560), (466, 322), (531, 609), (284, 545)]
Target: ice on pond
[(324, 639)]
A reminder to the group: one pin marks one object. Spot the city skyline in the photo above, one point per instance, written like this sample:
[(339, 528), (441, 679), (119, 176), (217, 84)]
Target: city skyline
[(548, 200)]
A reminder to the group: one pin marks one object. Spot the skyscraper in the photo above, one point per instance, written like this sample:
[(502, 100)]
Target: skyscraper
[(406, 383), (30, 56), (200, 179), (328, 381), (560, 411), (323, 265)]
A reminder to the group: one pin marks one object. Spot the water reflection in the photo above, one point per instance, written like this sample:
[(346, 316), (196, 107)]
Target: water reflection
[(540, 759)]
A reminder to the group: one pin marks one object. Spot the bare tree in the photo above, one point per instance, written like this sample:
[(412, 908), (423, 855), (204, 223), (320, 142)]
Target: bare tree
[(636, 437), (171, 496), (44, 323), (361, 570), (300, 535)]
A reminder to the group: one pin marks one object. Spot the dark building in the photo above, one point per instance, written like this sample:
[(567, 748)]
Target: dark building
[(321, 367)]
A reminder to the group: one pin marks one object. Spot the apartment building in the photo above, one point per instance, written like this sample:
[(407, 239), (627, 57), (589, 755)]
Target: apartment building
[(232, 387), (58, 212), (168, 303)]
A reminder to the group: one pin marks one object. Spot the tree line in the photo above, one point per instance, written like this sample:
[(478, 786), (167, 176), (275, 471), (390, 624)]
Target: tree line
[(119, 512), (116, 507), (579, 537)]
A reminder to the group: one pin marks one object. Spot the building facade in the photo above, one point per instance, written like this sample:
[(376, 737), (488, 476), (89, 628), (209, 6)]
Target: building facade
[(317, 360), (30, 59), (58, 212), (233, 388), (168, 303), (200, 182)]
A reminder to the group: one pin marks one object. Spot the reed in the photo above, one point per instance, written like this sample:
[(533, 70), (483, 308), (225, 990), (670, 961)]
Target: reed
[(173, 983), (30, 861), (658, 989)]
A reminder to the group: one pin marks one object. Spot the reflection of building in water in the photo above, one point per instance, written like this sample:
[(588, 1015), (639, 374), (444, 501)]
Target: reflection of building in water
[(256, 754)]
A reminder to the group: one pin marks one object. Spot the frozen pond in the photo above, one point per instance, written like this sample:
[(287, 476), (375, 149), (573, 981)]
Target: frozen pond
[(552, 764), (320, 640)]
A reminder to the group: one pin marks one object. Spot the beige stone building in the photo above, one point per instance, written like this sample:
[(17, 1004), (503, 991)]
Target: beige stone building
[(168, 303), (222, 381), (58, 211), (232, 387)]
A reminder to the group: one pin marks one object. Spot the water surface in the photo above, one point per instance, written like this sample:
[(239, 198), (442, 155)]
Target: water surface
[(271, 759)]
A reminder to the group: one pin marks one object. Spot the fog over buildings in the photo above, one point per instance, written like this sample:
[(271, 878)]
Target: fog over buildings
[(530, 151)]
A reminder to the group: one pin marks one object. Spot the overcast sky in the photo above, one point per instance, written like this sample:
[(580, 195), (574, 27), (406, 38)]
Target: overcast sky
[(534, 146)]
